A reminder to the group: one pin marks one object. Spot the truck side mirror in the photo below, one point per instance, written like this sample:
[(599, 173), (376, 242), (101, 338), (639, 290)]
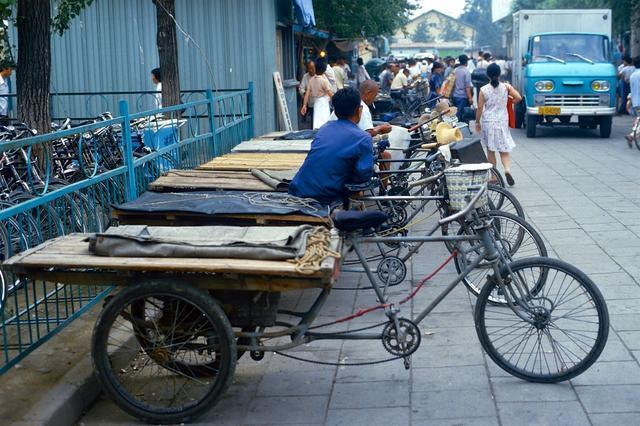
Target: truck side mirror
[(526, 58)]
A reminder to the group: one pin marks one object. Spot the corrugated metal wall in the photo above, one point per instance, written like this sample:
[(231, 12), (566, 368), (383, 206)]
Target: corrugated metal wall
[(111, 47)]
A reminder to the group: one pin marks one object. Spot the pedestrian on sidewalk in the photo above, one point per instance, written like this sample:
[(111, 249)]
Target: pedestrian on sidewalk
[(311, 71), (386, 77), (624, 75), (463, 89), (492, 119), (4, 91), (318, 96), (634, 96), (362, 75), (156, 79)]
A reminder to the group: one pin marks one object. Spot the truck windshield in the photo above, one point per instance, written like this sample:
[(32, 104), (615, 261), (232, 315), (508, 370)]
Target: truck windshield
[(569, 48)]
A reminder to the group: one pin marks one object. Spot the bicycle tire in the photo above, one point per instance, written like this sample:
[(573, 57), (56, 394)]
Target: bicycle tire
[(109, 357), (525, 243), (499, 179), (506, 320), (502, 199)]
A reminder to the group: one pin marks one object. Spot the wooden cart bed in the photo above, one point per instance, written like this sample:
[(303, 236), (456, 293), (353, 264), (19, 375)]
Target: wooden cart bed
[(268, 146), (248, 161), (68, 260), (194, 180)]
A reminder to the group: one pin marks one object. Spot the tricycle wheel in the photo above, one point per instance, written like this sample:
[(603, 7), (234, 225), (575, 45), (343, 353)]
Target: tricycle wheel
[(151, 361)]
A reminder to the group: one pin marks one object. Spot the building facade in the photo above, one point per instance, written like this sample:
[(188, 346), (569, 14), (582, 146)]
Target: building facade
[(223, 44), (433, 32)]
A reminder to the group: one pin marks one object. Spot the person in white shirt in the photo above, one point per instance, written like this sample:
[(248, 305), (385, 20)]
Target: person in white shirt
[(401, 80), (346, 68), (340, 75), (4, 90), (156, 78), (329, 75), (414, 70), (362, 73), (311, 71)]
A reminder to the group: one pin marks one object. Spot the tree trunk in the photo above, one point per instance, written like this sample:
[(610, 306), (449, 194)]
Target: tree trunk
[(33, 73), (168, 51), (635, 30)]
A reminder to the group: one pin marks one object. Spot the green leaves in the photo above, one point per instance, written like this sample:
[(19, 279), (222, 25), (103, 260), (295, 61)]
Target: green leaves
[(65, 12), (362, 18)]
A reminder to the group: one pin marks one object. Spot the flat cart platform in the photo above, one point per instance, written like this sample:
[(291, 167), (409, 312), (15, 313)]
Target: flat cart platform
[(68, 260), (248, 161), (206, 180)]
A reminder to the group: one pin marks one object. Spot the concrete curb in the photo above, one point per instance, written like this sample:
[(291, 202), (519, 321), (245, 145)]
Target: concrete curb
[(66, 403)]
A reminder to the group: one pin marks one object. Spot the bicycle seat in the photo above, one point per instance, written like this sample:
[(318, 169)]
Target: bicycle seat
[(353, 220)]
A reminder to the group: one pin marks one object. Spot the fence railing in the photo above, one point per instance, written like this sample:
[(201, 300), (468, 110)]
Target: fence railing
[(80, 106), (67, 181)]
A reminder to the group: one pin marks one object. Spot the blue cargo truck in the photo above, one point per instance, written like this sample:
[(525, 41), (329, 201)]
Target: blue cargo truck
[(563, 68)]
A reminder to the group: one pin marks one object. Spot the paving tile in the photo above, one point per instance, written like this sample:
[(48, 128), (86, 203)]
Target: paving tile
[(567, 413), (468, 421), (609, 399), (625, 322), (631, 339), (446, 336), (286, 410), (450, 378), (296, 383), (370, 394), (513, 389), (452, 404), (618, 419), (393, 370), (449, 356), (368, 417), (610, 373)]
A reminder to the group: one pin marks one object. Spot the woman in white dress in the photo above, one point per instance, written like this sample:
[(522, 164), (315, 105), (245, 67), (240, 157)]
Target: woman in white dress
[(492, 119), (318, 96)]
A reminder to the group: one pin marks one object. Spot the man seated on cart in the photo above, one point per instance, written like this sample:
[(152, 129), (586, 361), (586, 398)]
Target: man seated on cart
[(341, 153)]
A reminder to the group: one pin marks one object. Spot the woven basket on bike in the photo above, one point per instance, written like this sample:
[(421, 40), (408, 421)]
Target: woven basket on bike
[(462, 180)]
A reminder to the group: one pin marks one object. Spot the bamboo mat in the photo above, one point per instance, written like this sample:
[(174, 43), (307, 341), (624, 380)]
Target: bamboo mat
[(248, 161)]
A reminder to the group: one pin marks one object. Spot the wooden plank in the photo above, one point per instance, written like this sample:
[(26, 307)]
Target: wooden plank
[(172, 183), (74, 254), (184, 219), (206, 281)]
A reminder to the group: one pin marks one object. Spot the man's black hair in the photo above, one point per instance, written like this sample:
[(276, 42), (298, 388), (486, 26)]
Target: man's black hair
[(360, 61), (157, 74), (486, 56), (321, 66), (437, 65), (346, 102), (463, 59), (636, 62), (411, 62), (627, 58)]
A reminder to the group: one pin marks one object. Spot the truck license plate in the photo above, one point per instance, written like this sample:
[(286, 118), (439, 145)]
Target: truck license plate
[(549, 110)]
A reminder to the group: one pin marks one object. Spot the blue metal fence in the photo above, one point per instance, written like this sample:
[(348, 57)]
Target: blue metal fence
[(115, 167)]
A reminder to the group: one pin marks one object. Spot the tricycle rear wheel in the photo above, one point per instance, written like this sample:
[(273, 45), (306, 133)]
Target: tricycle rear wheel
[(183, 328)]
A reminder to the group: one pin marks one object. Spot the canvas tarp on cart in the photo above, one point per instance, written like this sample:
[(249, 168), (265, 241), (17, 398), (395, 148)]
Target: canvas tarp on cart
[(278, 180), (224, 203), (230, 242)]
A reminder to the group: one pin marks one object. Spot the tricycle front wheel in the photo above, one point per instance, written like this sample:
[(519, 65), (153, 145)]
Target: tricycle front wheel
[(143, 358)]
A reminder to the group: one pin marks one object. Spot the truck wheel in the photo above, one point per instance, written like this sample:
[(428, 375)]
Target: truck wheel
[(519, 116), (532, 122), (605, 126)]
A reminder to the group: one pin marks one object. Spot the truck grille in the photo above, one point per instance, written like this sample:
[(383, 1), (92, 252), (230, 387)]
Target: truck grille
[(572, 100)]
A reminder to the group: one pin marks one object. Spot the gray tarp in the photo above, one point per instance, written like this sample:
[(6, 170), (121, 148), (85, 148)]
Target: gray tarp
[(231, 242), (279, 180)]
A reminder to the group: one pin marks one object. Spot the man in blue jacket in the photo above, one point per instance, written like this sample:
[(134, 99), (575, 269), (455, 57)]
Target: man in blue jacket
[(341, 153)]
